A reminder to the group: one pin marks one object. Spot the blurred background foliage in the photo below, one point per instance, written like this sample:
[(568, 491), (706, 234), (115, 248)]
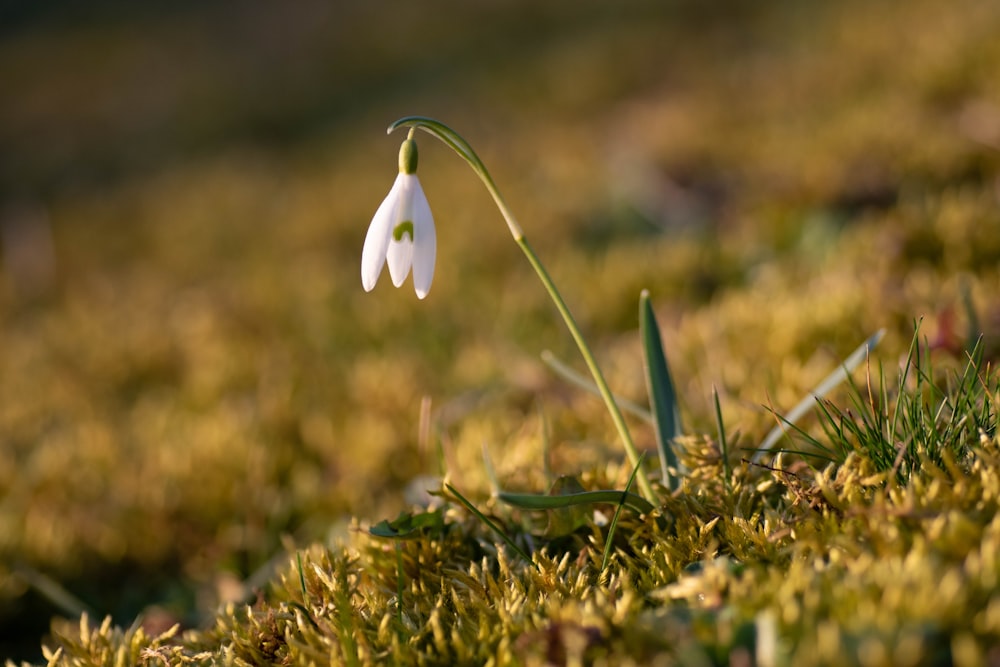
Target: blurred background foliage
[(190, 372)]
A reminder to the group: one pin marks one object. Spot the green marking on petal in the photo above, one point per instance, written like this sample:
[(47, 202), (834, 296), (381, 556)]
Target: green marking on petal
[(401, 229)]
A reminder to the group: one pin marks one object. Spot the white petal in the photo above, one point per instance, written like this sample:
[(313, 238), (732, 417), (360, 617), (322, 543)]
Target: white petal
[(424, 242), (400, 256), (400, 252), (379, 234)]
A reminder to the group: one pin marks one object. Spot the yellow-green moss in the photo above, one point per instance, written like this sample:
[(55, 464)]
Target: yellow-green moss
[(201, 384)]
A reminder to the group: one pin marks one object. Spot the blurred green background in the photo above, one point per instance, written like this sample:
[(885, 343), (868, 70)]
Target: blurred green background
[(191, 377)]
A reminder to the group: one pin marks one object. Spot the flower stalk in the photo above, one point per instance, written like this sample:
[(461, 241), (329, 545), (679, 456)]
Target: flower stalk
[(454, 141)]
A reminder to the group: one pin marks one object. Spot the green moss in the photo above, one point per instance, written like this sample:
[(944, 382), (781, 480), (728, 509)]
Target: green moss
[(826, 566)]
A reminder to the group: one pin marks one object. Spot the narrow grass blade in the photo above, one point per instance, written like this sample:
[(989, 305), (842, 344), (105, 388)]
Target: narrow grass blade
[(51, 590), (974, 331), (531, 501), (491, 472), (302, 577), (662, 397), (563, 370), (723, 444), (618, 512), (821, 390), (489, 524), (911, 355)]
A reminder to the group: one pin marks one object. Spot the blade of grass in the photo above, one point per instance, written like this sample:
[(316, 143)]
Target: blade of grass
[(51, 590), (824, 387), (788, 429), (914, 351), (489, 524), (974, 332), (302, 577), (618, 512), (579, 380), (721, 427), (491, 473), (662, 396)]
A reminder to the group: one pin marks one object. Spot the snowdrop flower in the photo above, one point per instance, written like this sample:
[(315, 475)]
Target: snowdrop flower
[(402, 231)]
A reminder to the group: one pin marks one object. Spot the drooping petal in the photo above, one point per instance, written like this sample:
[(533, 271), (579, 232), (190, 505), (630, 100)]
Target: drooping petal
[(373, 255), (400, 256), (400, 251), (424, 242)]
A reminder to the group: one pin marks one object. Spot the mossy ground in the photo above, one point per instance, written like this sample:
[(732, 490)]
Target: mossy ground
[(200, 409)]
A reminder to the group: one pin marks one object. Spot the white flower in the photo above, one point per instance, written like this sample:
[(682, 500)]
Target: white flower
[(402, 231)]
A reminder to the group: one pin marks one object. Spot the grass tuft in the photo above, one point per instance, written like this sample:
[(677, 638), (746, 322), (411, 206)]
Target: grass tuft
[(921, 418)]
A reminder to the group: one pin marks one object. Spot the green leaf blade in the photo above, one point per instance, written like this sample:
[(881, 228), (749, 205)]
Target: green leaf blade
[(660, 385)]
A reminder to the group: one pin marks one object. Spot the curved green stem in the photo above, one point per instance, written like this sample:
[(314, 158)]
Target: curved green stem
[(454, 141)]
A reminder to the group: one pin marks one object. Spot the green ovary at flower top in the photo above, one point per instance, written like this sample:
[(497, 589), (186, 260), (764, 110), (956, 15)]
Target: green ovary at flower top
[(402, 231)]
